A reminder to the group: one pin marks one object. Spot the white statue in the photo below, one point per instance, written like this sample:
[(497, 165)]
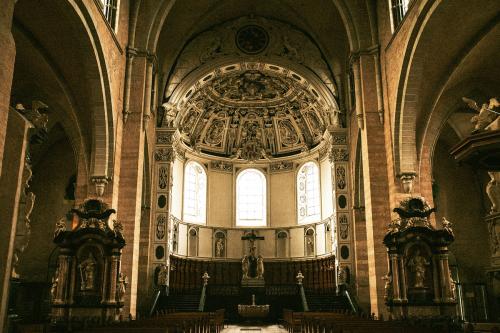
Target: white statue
[(55, 282), (60, 226), (260, 267), (219, 248), (487, 113)]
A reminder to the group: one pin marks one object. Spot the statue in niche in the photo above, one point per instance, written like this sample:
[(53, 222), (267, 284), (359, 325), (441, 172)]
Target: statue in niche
[(215, 132), (121, 286), (418, 265), (189, 121), (487, 113), (87, 273), (287, 133), (219, 247)]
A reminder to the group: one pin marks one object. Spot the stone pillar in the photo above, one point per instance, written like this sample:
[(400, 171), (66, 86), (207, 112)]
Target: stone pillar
[(339, 160), (131, 174), (7, 59), (161, 237), (11, 186), (375, 175)]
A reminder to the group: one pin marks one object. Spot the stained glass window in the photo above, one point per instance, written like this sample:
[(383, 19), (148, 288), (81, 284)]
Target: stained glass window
[(308, 194), (251, 198), (195, 193)]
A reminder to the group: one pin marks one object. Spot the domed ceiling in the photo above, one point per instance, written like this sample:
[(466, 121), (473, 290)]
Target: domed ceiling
[(253, 111)]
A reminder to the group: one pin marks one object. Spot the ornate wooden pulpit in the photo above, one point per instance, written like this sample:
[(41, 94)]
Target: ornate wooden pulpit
[(419, 280), (87, 283)]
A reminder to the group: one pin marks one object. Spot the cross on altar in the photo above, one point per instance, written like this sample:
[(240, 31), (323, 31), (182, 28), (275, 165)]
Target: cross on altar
[(252, 237)]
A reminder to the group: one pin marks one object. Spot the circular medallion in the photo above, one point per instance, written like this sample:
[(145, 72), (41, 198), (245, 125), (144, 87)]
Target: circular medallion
[(252, 39)]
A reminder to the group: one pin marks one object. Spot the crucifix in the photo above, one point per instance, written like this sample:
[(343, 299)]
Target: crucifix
[(252, 237), (252, 264)]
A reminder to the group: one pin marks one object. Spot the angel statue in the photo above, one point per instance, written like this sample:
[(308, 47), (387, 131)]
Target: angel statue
[(487, 113)]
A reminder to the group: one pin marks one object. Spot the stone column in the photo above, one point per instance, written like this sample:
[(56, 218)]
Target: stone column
[(375, 176), (11, 185), (396, 291), (339, 160), (162, 184), (7, 59), (131, 174)]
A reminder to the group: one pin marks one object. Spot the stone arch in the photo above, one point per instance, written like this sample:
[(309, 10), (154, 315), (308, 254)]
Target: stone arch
[(80, 66), (420, 80)]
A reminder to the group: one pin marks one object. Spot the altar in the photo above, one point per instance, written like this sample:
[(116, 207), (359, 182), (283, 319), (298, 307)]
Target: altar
[(253, 311)]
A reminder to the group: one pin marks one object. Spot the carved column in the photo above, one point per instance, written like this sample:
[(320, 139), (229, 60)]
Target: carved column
[(161, 237), (339, 159)]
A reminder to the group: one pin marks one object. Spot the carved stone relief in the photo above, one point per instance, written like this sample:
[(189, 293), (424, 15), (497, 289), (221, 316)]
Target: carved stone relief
[(281, 166), (252, 111), (164, 154), (163, 177), (340, 177), (343, 226), (221, 166), (339, 155), (161, 221)]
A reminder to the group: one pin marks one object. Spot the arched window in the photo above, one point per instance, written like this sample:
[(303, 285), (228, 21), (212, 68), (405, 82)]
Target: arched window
[(308, 195), (195, 193), (251, 199)]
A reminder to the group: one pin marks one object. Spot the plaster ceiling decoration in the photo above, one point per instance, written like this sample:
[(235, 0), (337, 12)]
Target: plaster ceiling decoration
[(250, 37), (252, 111)]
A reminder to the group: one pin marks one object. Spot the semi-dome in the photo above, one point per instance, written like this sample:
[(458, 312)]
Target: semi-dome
[(252, 111)]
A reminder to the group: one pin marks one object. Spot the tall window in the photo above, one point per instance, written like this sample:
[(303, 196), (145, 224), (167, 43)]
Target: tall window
[(251, 199), (398, 10), (195, 193), (308, 193), (109, 8)]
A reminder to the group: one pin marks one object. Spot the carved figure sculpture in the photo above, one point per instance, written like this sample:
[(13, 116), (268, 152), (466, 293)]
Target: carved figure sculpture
[(170, 114), (121, 286), (87, 273), (55, 282), (453, 287), (260, 267), (418, 265), (162, 278), (493, 191), (60, 226), (388, 286), (219, 248), (487, 113), (244, 267)]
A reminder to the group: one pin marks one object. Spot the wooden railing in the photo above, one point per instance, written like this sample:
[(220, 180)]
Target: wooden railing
[(186, 273)]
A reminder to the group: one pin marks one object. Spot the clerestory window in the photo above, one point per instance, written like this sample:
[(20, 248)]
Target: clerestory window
[(398, 11), (195, 193), (251, 199), (308, 194), (110, 8)]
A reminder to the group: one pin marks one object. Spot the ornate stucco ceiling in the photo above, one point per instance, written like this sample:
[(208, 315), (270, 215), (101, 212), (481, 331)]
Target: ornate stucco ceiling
[(252, 111)]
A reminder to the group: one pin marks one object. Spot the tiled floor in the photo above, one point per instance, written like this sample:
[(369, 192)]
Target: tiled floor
[(254, 329)]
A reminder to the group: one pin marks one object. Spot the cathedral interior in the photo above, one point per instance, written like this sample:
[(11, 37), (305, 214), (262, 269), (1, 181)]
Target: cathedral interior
[(191, 165)]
